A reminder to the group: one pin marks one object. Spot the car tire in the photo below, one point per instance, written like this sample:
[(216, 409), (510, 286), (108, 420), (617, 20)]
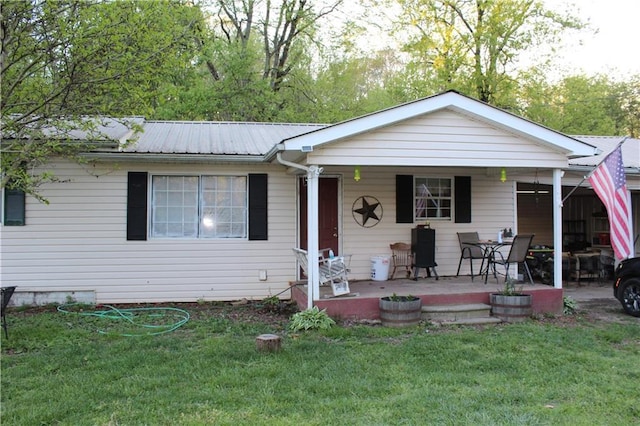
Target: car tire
[(629, 296)]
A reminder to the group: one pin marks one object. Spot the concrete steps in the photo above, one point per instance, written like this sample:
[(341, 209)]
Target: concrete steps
[(465, 314)]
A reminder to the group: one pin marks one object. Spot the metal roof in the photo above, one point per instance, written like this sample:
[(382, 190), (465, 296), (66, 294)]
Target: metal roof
[(225, 138), (214, 137), (96, 129), (630, 151)]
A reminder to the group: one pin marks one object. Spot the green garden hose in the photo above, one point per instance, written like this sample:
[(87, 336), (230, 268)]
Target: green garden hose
[(136, 317)]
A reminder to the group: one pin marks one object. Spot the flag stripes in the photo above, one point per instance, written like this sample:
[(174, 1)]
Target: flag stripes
[(609, 182)]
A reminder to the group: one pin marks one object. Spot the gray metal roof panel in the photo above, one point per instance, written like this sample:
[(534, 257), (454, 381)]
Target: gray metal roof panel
[(214, 137), (630, 150)]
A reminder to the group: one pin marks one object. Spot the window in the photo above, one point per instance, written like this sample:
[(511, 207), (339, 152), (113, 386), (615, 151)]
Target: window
[(199, 207), (14, 207), (432, 198)]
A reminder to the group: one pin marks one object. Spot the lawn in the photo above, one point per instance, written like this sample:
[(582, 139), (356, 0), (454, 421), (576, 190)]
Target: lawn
[(70, 369)]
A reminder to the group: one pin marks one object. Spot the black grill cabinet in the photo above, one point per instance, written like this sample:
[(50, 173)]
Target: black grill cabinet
[(423, 246)]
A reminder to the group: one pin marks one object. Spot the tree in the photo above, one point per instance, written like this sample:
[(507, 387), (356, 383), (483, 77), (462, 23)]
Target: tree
[(628, 95), (473, 45), (352, 86), (63, 61), (584, 105), (258, 54)]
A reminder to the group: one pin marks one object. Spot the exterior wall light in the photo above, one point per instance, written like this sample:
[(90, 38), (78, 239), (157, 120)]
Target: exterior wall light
[(356, 174)]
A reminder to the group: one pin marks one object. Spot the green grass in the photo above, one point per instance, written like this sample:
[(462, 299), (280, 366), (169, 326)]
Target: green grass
[(56, 369)]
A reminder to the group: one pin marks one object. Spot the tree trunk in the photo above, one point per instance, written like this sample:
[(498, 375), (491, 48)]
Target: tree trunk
[(268, 343)]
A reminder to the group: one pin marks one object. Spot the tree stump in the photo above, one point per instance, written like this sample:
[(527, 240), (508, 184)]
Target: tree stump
[(268, 343)]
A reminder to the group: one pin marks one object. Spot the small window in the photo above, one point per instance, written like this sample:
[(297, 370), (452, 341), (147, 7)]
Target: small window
[(432, 198), (199, 207)]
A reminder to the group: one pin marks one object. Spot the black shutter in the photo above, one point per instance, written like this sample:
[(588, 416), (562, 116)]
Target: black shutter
[(14, 210), (463, 199), (137, 206), (258, 217), (404, 199)]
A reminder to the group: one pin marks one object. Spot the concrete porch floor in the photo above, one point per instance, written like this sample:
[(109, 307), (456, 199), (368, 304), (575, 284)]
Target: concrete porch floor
[(362, 302)]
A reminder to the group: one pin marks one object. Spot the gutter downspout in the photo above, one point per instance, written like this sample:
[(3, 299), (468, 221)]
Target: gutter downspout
[(313, 252)]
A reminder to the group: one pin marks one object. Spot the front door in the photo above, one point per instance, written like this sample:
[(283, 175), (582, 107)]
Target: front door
[(327, 213)]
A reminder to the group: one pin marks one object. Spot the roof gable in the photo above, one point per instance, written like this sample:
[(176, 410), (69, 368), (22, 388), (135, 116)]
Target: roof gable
[(449, 100), (442, 137)]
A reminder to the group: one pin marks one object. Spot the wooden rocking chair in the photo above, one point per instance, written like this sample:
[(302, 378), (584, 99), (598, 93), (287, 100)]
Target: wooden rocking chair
[(401, 257)]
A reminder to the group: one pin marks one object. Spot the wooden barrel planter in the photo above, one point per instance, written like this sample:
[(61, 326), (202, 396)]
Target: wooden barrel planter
[(512, 308), (400, 311)]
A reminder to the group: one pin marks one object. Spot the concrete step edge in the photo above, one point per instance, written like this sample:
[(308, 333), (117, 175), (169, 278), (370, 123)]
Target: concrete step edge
[(455, 308), (471, 321)]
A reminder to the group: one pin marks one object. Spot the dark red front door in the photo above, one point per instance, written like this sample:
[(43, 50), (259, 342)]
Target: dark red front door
[(327, 213)]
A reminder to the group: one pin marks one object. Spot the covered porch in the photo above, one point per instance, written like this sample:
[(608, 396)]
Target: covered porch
[(448, 163)]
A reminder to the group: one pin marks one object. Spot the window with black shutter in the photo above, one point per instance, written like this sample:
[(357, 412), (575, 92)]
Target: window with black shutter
[(426, 198)]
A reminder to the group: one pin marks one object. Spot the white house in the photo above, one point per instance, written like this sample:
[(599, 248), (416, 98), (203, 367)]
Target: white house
[(211, 210)]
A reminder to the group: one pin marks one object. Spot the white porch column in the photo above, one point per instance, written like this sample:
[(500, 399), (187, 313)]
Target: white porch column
[(557, 228), (313, 284)]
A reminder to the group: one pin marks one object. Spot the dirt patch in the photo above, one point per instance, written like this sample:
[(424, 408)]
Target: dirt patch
[(604, 310), (592, 305), (595, 302), (272, 312)]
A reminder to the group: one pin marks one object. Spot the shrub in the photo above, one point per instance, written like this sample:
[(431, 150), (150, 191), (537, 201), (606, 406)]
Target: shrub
[(569, 306), (311, 319)]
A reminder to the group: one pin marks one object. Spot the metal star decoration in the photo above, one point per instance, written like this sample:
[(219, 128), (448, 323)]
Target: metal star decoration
[(368, 210)]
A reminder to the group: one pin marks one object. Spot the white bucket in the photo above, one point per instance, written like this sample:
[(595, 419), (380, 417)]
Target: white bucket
[(380, 268)]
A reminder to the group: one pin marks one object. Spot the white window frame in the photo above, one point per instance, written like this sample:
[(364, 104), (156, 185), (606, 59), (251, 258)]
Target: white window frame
[(425, 201), (202, 206)]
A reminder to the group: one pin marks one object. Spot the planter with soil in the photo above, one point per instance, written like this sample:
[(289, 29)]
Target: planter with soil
[(400, 311)]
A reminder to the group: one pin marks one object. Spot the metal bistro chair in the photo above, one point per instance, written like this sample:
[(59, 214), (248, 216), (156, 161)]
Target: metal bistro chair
[(587, 266), (7, 292), (517, 255), (469, 250), (401, 257), (607, 266)]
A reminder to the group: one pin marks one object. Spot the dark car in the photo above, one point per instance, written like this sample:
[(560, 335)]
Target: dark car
[(626, 287)]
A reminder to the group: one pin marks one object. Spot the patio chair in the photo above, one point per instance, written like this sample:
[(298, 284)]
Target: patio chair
[(332, 270), (470, 250), (587, 266), (401, 257), (7, 292), (607, 265), (517, 255)]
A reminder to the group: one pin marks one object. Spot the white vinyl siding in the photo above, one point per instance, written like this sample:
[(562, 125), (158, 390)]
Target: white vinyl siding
[(442, 138), (493, 204), (78, 242)]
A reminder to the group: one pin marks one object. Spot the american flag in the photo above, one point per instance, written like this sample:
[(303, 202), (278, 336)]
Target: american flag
[(609, 182)]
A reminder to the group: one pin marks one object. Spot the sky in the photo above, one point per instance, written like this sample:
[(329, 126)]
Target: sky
[(614, 49)]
